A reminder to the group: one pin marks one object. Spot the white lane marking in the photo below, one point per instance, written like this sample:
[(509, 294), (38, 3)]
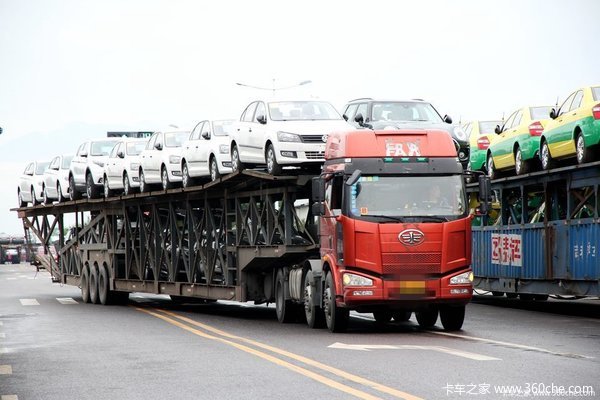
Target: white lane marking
[(3, 350), (1, 323), (11, 279), (5, 370), (29, 302), (2, 335), (508, 344), (22, 276), (31, 278), (9, 397), (66, 300), (440, 349)]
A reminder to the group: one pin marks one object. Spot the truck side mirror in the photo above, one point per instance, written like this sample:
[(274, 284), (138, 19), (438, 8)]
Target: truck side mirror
[(318, 189), (447, 119), (553, 113), (359, 119), (485, 193)]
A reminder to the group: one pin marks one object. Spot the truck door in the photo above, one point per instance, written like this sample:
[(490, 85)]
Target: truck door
[(329, 226)]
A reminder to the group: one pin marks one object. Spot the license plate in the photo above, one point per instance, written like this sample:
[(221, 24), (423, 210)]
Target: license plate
[(412, 287)]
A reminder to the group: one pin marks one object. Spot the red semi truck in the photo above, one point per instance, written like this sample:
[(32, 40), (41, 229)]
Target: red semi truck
[(384, 229), (395, 230)]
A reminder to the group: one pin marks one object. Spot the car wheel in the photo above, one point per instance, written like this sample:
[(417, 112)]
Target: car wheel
[(90, 188), (45, 199), (143, 185), (521, 166), (491, 170), (236, 163), (59, 194), (545, 157), (34, 201), (164, 178), (214, 169), (273, 168), (20, 199), (107, 191), (582, 152), (126, 187), (186, 180), (73, 193)]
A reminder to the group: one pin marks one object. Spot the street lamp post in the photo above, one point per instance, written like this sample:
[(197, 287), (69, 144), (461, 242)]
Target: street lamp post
[(273, 88)]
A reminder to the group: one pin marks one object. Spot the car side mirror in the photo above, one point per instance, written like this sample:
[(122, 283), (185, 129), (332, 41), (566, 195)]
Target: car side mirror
[(447, 119), (498, 129), (553, 114), (261, 119), (121, 154), (345, 117), (158, 146), (206, 135), (359, 119)]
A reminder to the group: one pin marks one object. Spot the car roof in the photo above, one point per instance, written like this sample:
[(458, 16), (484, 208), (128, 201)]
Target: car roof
[(372, 100)]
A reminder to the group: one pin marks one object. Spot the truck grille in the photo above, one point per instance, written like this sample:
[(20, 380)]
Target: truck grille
[(312, 138), (411, 263), (315, 155)]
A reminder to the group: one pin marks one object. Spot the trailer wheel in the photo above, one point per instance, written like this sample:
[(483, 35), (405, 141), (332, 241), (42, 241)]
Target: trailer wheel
[(94, 285), (85, 284), (427, 318), (104, 295), (452, 317), (315, 318), (382, 317), (335, 317), (283, 307), (401, 316)]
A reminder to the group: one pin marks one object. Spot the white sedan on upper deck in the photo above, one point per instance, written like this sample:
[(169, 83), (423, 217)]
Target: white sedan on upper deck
[(160, 161), (121, 171), (56, 179), (284, 133)]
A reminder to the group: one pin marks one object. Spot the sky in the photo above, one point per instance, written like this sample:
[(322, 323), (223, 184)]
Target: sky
[(72, 70)]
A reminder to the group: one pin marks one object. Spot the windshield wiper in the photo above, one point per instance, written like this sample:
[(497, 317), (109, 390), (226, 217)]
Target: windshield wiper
[(391, 218), (429, 218)]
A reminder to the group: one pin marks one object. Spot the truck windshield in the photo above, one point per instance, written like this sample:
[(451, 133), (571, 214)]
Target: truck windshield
[(400, 199)]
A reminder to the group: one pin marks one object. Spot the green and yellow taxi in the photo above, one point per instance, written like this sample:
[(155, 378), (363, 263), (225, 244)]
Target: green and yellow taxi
[(517, 143), (481, 134), (574, 129)]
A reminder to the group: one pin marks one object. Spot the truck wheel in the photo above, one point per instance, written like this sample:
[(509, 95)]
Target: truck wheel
[(93, 285), (335, 317), (90, 188), (85, 284), (401, 316), (382, 317), (273, 168), (452, 317), (427, 318), (236, 163), (103, 290), (73, 193), (315, 318), (283, 307)]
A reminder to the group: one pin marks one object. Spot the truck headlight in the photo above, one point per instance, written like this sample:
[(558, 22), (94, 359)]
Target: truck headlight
[(288, 137), (356, 280), (466, 278), (224, 149), (459, 133), (174, 159)]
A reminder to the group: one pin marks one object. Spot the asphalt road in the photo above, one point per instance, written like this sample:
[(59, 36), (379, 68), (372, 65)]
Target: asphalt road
[(54, 347)]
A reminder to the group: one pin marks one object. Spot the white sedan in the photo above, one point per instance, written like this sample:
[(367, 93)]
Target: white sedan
[(56, 179), (284, 133), (31, 183), (206, 153), (121, 171), (160, 161)]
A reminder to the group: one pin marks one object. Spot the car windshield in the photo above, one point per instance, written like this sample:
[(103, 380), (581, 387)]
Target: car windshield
[(175, 139), (66, 162), (486, 127), (41, 167), (596, 93), (302, 110), (404, 111), (222, 128), (102, 148), (540, 112), (395, 196), (135, 148)]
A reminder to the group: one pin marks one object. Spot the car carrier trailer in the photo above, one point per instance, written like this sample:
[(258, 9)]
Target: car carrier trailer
[(309, 243)]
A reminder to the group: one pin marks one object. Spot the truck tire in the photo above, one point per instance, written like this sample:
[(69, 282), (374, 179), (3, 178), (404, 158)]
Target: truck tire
[(85, 284), (94, 285), (336, 317), (284, 308), (104, 294), (452, 317), (315, 318), (382, 317), (427, 318), (401, 316)]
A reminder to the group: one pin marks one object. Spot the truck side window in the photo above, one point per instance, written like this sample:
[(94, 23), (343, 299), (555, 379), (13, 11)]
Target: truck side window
[(333, 193)]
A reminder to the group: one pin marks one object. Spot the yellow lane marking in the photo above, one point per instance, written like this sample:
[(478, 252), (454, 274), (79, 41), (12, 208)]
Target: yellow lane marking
[(343, 374), (300, 370), (9, 397)]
